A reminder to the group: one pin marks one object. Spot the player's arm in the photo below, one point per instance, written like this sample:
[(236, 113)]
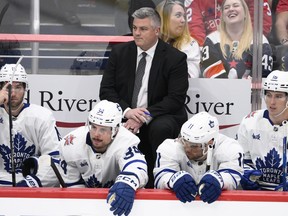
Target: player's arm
[(133, 175), (168, 175), (49, 141)]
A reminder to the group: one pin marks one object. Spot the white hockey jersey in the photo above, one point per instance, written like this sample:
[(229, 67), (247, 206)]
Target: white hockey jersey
[(227, 160), (263, 147), (82, 166), (34, 133)]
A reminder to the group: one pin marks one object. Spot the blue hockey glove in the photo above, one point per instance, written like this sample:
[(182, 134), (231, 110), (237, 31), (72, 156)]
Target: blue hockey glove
[(210, 186), (29, 181), (184, 186), (121, 195), (249, 179)]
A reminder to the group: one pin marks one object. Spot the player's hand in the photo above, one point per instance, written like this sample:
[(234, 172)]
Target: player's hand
[(121, 198), (121, 195), (4, 94), (29, 181), (184, 186), (249, 179), (210, 186)]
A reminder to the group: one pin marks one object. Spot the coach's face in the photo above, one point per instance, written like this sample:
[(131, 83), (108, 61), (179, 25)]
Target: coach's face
[(144, 33)]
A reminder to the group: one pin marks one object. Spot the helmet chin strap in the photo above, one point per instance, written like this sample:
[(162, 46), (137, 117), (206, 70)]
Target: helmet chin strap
[(282, 110)]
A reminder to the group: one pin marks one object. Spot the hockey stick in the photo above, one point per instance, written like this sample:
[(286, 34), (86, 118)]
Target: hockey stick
[(57, 173), (11, 124)]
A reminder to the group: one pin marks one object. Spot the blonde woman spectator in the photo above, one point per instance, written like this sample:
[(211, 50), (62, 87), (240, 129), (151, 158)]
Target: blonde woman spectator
[(204, 17), (227, 52), (174, 30)]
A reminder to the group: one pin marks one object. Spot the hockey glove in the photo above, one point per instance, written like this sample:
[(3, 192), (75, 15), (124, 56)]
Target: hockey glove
[(30, 166), (29, 181), (249, 179), (184, 186), (121, 195), (211, 185)]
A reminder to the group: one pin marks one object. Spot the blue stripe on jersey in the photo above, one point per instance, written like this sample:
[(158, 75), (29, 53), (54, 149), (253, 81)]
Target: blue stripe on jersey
[(162, 172), (2, 182), (54, 153), (231, 172), (132, 162)]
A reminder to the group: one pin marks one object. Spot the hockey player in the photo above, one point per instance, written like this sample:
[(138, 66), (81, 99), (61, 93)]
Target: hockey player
[(104, 154), (261, 134), (201, 161), (34, 134)]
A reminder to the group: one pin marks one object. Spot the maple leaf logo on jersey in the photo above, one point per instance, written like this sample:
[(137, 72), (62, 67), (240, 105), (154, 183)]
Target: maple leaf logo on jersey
[(270, 167), (93, 182), (69, 139), (20, 153), (1, 120)]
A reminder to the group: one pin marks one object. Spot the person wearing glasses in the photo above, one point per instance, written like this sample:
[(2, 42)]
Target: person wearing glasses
[(201, 161), (263, 135)]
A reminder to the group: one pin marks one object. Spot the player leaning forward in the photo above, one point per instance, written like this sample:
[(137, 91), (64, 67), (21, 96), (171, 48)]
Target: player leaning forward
[(104, 154), (34, 134), (201, 161)]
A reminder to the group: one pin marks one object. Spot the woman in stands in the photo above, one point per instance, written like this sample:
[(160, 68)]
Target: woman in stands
[(174, 30), (227, 52)]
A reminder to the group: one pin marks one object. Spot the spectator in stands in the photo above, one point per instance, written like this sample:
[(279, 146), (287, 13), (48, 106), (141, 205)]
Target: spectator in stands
[(281, 24), (174, 30), (156, 111), (227, 52), (262, 135), (204, 17)]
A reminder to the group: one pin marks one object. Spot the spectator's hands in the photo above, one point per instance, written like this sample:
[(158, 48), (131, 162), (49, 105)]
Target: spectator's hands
[(210, 186), (4, 94), (121, 195), (249, 179), (184, 186)]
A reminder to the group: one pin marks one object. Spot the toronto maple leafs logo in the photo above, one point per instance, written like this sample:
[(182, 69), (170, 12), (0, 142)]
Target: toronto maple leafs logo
[(21, 152), (211, 124), (270, 167), (256, 136), (93, 182), (1, 120)]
